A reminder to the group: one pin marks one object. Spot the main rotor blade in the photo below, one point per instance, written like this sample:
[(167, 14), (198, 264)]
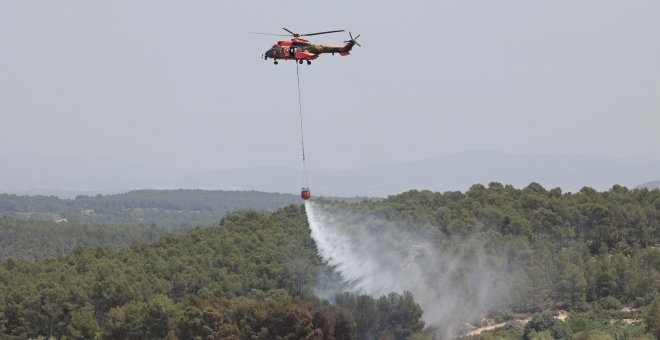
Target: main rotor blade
[(280, 35), (289, 31), (326, 32)]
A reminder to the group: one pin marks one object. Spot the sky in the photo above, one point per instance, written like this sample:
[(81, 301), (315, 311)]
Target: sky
[(180, 85)]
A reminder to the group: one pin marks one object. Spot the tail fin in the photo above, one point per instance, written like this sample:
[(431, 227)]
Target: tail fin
[(350, 43), (346, 50)]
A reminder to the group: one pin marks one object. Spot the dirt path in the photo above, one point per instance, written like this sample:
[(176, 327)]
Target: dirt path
[(516, 322), (484, 329), (561, 315)]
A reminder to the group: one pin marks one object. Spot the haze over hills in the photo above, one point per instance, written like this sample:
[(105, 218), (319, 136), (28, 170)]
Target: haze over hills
[(449, 172), (649, 185)]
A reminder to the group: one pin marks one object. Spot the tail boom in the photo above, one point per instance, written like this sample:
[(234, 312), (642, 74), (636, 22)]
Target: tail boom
[(342, 50)]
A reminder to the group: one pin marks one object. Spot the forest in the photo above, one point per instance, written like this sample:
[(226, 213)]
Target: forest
[(171, 209), (34, 239), (254, 274)]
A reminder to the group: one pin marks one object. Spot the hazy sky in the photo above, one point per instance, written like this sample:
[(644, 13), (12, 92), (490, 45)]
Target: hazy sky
[(180, 84)]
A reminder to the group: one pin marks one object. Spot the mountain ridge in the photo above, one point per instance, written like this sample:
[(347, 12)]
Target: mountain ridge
[(449, 172)]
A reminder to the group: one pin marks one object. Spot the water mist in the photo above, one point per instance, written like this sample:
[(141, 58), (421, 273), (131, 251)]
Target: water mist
[(451, 281)]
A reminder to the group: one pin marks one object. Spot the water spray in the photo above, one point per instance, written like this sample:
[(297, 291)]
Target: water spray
[(375, 257)]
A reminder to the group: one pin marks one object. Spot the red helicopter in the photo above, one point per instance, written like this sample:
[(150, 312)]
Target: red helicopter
[(300, 49)]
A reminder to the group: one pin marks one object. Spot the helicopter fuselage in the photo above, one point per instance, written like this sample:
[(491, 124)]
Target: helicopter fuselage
[(301, 49)]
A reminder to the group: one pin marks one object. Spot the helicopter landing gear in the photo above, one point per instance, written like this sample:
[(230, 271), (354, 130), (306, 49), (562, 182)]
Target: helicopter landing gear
[(275, 62), (300, 61), (309, 62)]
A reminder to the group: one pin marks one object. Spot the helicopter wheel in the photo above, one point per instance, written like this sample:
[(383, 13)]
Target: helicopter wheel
[(300, 61), (309, 62), (275, 62)]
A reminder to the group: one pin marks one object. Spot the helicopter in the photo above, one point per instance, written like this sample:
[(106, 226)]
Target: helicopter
[(301, 50)]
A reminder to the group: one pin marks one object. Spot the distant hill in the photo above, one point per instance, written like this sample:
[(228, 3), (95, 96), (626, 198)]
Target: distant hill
[(443, 173), (649, 185), (166, 208), (447, 173)]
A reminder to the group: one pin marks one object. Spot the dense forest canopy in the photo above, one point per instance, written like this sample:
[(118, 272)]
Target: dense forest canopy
[(583, 252), (34, 239), (178, 209), (255, 273), (252, 275)]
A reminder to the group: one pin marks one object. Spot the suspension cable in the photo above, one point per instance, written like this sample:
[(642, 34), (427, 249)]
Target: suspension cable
[(302, 134)]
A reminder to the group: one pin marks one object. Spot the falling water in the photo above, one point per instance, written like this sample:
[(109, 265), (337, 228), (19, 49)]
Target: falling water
[(375, 256)]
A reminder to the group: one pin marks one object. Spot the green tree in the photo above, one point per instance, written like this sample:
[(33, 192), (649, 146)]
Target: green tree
[(592, 335), (572, 285), (345, 325), (538, 323), (652, 317), (126, 322), (83, 325), (156, 316)]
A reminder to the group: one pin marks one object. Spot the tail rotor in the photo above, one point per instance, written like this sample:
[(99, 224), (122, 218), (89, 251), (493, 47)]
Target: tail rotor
[(353, 40)]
